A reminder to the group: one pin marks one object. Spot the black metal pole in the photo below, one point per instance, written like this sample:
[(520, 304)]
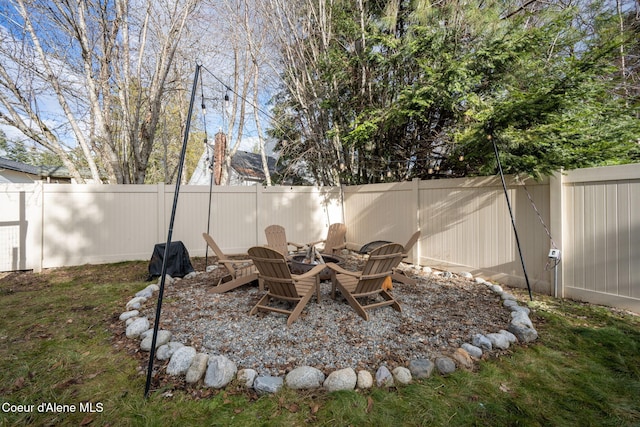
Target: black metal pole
[(513, 221), (176, 193)]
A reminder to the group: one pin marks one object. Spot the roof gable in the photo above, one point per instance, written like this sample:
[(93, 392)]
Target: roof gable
[(249, 165)]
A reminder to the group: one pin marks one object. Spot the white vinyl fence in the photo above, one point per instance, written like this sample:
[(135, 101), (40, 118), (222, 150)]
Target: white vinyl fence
[(53, 225), (465, 224), (592, 215)]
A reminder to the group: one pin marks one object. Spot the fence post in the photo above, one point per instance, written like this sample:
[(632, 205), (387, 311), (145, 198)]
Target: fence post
[(160, 213), (415, 199), (38, 218), (260, 219), (556, 222)]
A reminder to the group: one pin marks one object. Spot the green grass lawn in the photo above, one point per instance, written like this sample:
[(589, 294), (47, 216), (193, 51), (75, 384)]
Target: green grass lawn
[(59, 346)]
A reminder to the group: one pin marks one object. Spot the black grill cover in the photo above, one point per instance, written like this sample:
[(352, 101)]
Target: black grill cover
[(371, 246), (178, 262)]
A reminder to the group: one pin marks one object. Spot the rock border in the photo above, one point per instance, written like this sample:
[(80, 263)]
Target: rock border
[(218, 371)]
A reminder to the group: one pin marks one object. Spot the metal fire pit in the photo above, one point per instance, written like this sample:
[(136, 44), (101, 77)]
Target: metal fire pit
[(298, 266)]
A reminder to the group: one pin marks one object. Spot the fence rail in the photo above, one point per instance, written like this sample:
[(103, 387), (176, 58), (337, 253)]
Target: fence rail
[(593, 216)]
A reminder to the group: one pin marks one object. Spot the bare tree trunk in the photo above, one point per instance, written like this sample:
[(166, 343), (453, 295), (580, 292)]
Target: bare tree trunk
[(111, 102), (623, 65)]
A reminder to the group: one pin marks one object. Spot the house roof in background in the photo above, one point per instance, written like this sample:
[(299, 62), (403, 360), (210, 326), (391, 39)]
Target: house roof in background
[(249, 165), (40, 171)]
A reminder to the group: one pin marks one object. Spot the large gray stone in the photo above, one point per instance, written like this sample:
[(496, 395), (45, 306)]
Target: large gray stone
[(365, 380), (246, 377), (304, 377), (267, 384), (401, 375), (445, 365), (220, 372), (507, 296), (197, 368), (137, 327), (510, 304), (129, 314), (523, 333), (498, 341), (495, 288), (168, 280), (384, 378), (472, 350), (342, 379), (421, 368), (521, 308), (135, 303), (521, 318), (510, 337), (164, 352), (146, 333), (181, 360), (145, 293), (162, 338), (481, 341)]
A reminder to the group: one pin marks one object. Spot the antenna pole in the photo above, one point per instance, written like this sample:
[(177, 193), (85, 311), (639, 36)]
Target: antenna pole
[(176, 193), (513, 221)]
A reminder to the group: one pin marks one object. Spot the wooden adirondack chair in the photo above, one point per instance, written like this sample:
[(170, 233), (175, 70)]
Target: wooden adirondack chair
[(335, 240), (398, 275), (277, 239), (281, 284), (241, 271), (368, 282)]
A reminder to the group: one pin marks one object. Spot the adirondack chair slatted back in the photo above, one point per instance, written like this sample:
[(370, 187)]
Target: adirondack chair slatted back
[(218, 252), (335, 237), (277, 238), (274, 271), (379, 265), (411, 242)]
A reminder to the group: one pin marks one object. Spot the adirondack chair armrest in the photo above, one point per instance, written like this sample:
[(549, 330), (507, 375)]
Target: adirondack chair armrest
[(298, 246), (315, 243), (235, 261), (313, 272), (335, 267)]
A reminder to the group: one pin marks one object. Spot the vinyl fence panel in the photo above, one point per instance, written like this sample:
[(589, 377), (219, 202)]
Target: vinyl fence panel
[(601, 236)]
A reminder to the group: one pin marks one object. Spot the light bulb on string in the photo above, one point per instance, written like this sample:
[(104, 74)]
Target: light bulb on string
[(461, 158)]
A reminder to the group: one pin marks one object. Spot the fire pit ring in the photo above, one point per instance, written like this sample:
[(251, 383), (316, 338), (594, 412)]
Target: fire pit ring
[(298, 266)]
